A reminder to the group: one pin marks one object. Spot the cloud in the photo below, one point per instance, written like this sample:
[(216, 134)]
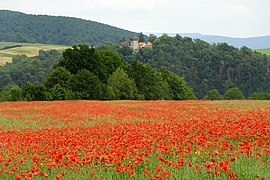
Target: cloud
[(237, 10), (224, 17)]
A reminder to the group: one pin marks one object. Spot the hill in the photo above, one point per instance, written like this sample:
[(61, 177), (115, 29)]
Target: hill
[(251, 42), (10, 49), (26, 28)]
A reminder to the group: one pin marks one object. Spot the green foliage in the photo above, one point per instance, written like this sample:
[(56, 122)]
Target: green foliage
[(109, 93), (233, 94), (123, 87), (87, 73), (108, 45), (213, 94), (19, 27), (264, 51), (25, 69), (152, 38), (109, 63), (12, 93), (85, 85), (260, 96), (58, 92), (149, 81), (100, 62), (1, 95), (206, 67), (32, 92), (177, 85), (60, 76), (79, 57), (141, 37)]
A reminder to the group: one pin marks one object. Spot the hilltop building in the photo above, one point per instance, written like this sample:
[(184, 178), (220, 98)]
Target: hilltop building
[(134, 43)]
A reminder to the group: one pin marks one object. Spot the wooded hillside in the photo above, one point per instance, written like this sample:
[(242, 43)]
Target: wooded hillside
[(207, 67), (20, 27)]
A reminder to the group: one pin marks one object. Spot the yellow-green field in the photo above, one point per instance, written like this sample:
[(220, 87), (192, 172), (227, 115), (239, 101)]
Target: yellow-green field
[(28, 49), (264, 51)]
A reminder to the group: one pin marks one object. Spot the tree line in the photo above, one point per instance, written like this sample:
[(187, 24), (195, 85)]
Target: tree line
[(87, 73), (221, 72)]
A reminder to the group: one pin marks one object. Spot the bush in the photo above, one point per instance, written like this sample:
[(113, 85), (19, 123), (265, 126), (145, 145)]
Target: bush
[(213, 95), (234, 94), (12, 93), (260, 96)]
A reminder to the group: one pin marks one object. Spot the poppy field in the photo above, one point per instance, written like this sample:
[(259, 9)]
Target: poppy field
[(135, 140)]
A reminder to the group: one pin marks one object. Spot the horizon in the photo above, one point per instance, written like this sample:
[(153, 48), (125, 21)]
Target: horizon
[(236, 19)]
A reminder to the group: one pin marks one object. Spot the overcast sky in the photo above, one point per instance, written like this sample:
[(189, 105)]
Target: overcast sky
[(235, 18)]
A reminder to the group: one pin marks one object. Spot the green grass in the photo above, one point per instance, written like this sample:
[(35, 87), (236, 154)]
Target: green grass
[(264, 51), (28, 49)]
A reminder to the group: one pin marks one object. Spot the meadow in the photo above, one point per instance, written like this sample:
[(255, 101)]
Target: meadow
[(135, 140), (264, 51), (28, 49)]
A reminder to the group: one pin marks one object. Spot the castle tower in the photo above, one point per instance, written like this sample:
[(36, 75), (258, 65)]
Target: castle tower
[(134, 42)]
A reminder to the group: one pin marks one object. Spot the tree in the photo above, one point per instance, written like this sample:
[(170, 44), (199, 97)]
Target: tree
[(28, 90), (60, 75), (177, 85), (40, 92), (12, 93), (85, 85), (100, 62), (109, 63), (213, 94), (152, 38), (123, 87), (1, 95), (141, 37), (149, 81), (233, 94), (205, 67), (109, 46), (58, 92), (32, 92), (125, 51), (78, 58), (260, 96)]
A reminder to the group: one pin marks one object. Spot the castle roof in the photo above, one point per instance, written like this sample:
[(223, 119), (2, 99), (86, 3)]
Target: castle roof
[(134, 38), (141, 43), (149, 44)]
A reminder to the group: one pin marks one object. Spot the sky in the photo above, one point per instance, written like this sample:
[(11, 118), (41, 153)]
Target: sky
[(234, 18)]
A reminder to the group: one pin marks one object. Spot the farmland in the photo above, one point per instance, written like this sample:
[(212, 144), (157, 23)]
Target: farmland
[(135, 140), (28, 49), (264, 51)]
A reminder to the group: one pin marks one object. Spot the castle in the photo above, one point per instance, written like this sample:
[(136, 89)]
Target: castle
[(135, 44)]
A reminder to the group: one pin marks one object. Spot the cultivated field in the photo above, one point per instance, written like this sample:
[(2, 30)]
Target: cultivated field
[(264, 51), (135, 140), (27, 49)]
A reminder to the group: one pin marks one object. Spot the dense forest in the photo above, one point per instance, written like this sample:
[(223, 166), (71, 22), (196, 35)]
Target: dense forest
[(87, 73), (217, 71), (24, 69), (20, 27), (206, 67)]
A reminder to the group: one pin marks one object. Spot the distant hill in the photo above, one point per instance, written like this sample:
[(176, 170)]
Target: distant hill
[(25, 28), (252, 42)]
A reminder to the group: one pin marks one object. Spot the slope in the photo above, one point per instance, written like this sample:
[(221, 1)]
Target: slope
[(20, 27)]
